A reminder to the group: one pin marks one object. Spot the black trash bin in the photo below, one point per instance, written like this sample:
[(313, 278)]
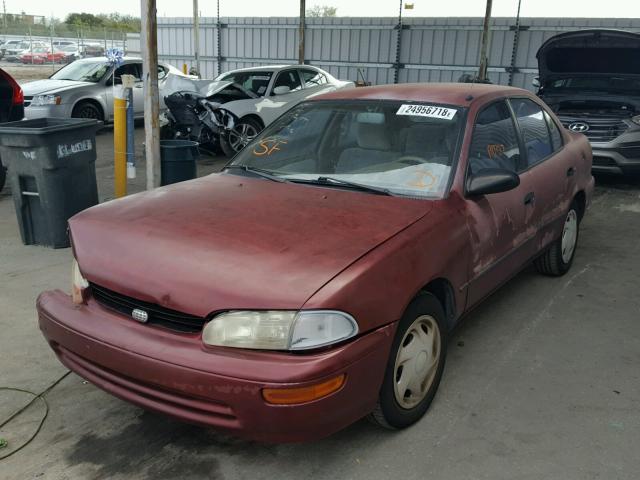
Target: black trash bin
[(178, 160), (51, 167)]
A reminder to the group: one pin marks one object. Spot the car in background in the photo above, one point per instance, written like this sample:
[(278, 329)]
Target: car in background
[(84, 89), (9, 44), (316, 280), (11, 108), (36, 56), (91, 50), (64, 54), (264, 94), (591, 80), (14, 53)]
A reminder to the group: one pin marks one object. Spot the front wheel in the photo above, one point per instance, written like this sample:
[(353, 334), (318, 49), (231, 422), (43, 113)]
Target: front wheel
[(239, 136), (557, 259), (87, 110), (415, 365)]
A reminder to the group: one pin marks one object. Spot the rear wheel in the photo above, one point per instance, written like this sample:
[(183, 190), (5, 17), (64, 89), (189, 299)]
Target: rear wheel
[(239, 136), (415, 365), (557, 259), (87, 110)]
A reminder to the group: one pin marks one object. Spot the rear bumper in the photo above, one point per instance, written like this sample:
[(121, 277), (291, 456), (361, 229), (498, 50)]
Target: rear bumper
[(176, 375)]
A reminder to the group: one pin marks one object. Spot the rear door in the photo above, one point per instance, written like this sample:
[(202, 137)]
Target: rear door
[(549, 175), (314, 82), (495, 221), (276, 105)]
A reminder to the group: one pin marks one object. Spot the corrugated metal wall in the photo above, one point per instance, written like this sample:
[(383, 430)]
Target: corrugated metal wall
[(431, 49)]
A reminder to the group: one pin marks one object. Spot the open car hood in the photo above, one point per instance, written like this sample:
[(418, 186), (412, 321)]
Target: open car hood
[(589, 52)]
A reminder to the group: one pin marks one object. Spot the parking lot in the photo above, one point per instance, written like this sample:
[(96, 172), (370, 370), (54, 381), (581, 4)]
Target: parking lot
[(542, 380)]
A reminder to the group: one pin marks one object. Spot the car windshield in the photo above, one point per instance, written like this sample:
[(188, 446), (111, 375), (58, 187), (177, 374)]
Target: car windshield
[(397, 148), (256, 82), (83, 71), (596, 83)]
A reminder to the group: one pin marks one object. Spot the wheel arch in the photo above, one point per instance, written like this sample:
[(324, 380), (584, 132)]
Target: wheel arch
[(442, 289), (255, 117), (581, 200)]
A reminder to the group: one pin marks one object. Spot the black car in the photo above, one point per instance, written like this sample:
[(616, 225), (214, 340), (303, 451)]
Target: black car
[(591, 80), (11, 108)]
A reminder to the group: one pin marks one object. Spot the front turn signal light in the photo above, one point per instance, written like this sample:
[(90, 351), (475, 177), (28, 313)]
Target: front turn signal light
[(294, 396)]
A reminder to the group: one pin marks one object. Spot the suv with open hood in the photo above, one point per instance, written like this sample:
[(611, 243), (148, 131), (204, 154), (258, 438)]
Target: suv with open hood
[(591, 80)]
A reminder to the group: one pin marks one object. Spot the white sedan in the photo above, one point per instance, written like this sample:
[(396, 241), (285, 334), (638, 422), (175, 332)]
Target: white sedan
[(275, 89)]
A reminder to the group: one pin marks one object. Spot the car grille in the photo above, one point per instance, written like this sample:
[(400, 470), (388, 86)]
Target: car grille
[(600, 129), (161, 316), (27, 101)]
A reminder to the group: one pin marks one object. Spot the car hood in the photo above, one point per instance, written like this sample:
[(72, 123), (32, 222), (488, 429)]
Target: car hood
[(592, 52), (48, 86), (232, 242)]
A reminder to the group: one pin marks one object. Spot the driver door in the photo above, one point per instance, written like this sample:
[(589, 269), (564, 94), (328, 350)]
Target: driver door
[(134, 69), (496, 222), (275, 105)]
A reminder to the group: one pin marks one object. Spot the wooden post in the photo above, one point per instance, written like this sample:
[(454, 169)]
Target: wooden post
[(149, 37), (301, 33), (482, 71), (196, 35)]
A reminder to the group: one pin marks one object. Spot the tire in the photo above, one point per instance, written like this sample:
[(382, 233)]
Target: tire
[(87, 110), (558, 258), (240, 135), (397, 406)]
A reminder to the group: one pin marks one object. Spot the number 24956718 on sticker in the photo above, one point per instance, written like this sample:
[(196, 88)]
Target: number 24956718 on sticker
[(427, 111)]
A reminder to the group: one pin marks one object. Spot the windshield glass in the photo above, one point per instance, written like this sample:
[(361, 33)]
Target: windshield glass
[(596, 83), (405, 148), (256, 82), (82, 71)]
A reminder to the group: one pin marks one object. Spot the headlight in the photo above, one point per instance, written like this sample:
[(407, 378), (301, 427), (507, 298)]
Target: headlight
[(46, 100), (636, 119), (279, 330), (78, 284)]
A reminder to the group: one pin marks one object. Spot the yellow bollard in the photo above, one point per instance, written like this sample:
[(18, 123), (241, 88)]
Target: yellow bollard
[(184, 68), (120, 146)]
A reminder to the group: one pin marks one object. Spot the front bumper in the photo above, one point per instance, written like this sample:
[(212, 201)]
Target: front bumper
[(47, 111), (621, 156), (177, 375)]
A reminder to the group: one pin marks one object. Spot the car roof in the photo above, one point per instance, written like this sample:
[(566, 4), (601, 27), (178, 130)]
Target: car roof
[(462, 94), (263, 68)]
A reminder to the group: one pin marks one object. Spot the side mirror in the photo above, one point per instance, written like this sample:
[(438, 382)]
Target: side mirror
[(492, 180), (281, 90), (536, 82)]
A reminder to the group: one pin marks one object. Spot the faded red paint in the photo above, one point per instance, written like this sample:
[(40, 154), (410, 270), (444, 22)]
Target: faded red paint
[(228, 242)]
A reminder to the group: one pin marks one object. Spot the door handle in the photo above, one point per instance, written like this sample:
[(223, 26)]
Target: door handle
[(529, 198), (571, 171)]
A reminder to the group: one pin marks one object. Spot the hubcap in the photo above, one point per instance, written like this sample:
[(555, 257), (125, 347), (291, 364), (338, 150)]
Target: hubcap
[(569, 236), (241, 135), (417, 361)]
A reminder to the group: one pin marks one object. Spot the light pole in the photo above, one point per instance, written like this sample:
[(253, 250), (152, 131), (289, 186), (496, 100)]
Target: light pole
[(482, 71)]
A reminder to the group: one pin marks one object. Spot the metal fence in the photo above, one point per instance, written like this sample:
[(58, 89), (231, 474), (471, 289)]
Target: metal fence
[(419, 50)]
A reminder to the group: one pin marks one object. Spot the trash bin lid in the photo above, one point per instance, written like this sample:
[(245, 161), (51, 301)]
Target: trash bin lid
[(44, 126)]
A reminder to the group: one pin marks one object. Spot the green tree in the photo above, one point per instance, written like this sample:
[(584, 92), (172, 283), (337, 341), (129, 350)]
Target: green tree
[(321, 11)]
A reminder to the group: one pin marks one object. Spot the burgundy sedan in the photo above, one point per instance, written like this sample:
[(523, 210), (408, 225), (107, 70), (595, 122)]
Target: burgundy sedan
[(314, 281)]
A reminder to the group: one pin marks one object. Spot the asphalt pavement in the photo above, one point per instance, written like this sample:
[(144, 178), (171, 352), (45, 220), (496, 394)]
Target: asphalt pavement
[(541, 382)]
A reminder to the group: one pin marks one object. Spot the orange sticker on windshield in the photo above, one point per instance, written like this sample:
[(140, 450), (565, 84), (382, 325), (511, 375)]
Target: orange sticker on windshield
[(420, 181), (268, 146), (495, 149)]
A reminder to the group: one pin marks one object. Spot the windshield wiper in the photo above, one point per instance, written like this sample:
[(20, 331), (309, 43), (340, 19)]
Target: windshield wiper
[(347, 183), (258, 171)]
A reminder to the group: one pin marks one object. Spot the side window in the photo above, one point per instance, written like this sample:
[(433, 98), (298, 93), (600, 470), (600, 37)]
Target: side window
[(162, 72), (556, 136), (288, 78), (535, 132), (494, 143), (128, 69), (311, 78)]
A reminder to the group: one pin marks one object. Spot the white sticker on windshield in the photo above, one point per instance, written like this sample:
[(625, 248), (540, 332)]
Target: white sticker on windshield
[(427, 111)]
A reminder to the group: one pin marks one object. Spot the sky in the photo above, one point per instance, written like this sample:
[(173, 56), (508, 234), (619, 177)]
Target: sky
[(350, 8)]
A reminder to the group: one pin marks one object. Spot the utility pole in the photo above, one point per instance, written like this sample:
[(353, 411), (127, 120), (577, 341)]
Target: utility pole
[(196, 35), (149, 38), (482, 71), (301, 33)]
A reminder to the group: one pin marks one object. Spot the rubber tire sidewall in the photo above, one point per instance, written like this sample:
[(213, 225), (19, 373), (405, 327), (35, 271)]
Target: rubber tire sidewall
[(83, 104), (228, 151), (551, 262), (394, 415)]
